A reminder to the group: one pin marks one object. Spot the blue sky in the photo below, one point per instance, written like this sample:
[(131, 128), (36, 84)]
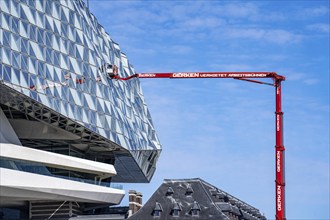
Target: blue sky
[(223, 130)]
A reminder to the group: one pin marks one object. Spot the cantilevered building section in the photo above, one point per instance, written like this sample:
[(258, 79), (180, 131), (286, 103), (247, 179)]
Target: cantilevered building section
[(67, 131)]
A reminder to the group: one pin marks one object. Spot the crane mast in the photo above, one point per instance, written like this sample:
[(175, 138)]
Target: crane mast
[(250, 77)]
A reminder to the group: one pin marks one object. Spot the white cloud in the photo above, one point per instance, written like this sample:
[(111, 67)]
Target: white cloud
[(237, 10), (320, 27), (233, 67), (202, 23), (180, 49), (271, 35), (311, 81), (315, 11)]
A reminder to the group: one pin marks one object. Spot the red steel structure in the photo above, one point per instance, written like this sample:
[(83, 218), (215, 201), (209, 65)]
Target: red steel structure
[(250, 77)]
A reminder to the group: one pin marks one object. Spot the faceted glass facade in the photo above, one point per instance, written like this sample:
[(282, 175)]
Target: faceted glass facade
[(51, 53)]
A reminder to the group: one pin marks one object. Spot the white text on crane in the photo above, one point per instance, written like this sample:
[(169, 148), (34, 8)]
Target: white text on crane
[(186, 75)]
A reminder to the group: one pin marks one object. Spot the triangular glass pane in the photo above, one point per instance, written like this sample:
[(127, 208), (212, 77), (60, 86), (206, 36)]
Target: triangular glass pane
[(14, 25), (107, 107), (64, 59), (15, 76), (32, 65), (5, 23), (33, 33), (34, 50), (57, 74), (49, 39), (85, 115), (24, 82), (57, 27), (23, 29), (40, 5), (71, 17), (16, 59), (49, 72), (41, 69), (25, 63), (77, 22), (49, 23), (6, 73), (48, 8), (70, 5), (74, 65), (63, 46), (57, 90), (64, 30), (106, 124), (14, 8), (56, 43), (40, 35), (6, 38), (40, 22), (6, 56), (56, 11), (65, 14), (80, 51), (77, 97), (5, 6), (49, 57)]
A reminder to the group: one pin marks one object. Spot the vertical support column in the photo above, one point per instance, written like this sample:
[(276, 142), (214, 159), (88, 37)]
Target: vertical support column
[(279, 156)]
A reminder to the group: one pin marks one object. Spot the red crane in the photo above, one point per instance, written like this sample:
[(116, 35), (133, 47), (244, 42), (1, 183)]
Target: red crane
[(250, 77)]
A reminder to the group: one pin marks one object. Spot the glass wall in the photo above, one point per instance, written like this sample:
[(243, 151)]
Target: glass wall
[(52, 51)]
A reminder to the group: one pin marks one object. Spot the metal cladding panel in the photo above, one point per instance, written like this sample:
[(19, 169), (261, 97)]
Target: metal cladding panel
[(51, 52)]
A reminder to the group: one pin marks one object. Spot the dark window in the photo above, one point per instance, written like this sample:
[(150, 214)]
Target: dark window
[(195, 212), (176, 210), (156, 213), (176, 213)]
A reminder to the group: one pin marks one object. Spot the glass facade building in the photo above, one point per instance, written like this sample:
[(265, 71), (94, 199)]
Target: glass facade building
[(51, 56), (68, 132)]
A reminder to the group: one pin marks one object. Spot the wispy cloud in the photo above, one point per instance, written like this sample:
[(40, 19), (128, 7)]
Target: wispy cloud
[(320, 27), (270, 35), (315, 11)]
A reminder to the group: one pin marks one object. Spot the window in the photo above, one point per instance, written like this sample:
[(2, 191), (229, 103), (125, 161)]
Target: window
[(176, 213), (157, 211), (195, 210), (176, 210), (189, 190), (169, 191)]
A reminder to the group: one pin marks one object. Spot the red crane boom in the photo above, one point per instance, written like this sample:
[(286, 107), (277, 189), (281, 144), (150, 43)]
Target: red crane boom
[(250, 77)]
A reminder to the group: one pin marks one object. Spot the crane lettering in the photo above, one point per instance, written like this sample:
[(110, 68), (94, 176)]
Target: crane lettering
[(186, 75), (279, 198), (251, 75), (278, 161)]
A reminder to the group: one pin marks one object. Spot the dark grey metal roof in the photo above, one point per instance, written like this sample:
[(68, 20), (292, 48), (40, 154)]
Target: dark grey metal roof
[(211, 202)]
